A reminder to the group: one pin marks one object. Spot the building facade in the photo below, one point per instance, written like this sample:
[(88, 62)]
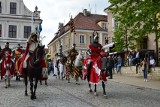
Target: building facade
[(16, 22), (85, 24)]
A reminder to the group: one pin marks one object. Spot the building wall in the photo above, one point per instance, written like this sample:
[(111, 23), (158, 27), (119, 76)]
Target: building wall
[(68, 39), (23, 17)]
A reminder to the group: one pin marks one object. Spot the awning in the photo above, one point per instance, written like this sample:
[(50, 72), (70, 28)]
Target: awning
[(108, 45)]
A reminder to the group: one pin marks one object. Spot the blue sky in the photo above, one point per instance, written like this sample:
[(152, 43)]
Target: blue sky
[(55, 11)]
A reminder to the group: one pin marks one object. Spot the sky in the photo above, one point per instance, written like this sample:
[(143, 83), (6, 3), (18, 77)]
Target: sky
[(54, 12)]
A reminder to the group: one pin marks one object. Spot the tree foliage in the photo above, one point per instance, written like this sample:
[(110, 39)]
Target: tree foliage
[(135, 19)]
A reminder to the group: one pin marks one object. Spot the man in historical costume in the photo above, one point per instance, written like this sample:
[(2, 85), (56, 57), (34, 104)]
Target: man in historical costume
[(7, 69), (17, 54), (5, 51), (31, 45)]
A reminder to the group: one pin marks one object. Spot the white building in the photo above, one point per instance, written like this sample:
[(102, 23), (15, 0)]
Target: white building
[(16, 22)]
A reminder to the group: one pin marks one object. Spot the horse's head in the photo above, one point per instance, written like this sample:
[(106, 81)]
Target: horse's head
[(37, 55)]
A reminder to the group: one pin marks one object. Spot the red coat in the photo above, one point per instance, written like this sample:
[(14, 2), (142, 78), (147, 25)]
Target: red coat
[(95, 57), (23, 58), (4, 66)]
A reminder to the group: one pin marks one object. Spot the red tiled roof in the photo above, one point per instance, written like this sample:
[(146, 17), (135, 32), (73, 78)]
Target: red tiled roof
[(82, 22), (89, 22)]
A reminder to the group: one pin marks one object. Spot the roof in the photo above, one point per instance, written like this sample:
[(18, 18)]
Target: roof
[(82, 22)]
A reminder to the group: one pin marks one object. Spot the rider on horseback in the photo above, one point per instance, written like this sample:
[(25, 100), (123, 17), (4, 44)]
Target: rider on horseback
[(32, 43), (4, 53), (93, 64)]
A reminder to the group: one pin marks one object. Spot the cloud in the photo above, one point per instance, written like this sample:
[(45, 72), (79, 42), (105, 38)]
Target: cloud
[(55, 11)]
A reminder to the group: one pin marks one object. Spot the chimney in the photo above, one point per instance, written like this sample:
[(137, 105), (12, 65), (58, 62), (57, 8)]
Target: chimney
[(86, 13), (60, 25)]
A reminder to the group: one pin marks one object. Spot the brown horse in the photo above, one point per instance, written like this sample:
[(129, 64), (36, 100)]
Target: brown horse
[(34, 70)]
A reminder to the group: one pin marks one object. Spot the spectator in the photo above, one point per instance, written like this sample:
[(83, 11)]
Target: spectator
[(144, 68), (119, 64), (110, 65), (152, 63)]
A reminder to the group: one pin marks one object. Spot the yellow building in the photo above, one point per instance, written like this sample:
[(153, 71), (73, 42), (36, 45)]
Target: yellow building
[(85, 24)]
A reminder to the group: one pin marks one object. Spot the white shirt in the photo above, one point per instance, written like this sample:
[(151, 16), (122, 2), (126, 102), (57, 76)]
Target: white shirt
[(152, 62)]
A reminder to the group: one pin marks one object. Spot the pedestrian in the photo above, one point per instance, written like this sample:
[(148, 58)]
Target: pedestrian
[(152, 63), (144, 68), (119, 64), (110, 65)]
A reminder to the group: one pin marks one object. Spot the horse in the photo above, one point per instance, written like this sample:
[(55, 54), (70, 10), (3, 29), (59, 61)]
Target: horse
[(78, 66), (97, 75), (60, 64), (34, 70), (7, 70), (72, 70)]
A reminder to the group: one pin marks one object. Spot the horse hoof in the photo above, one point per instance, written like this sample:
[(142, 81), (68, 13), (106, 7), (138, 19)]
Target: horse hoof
[(26, 94), (9, 85), (6, 87), (78, 83), (95, 94), (90, 90), (33, 97)]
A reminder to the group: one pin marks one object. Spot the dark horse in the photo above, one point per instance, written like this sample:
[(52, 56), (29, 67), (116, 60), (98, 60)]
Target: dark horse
[(34, 70)]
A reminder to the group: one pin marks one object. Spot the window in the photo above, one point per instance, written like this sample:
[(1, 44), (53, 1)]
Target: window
[(27, 31), (0, 8), (106, 40), (13, 8), (12, 31), (0, 30), (81, 38), (104, 26), (91, 39)]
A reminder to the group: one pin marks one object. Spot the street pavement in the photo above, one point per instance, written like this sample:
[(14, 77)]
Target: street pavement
[(59, 93)]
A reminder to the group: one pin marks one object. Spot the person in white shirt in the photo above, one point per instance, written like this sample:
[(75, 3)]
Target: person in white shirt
[(152, 63)]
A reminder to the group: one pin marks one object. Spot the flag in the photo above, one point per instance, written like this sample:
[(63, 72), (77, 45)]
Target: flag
[(39, 28)]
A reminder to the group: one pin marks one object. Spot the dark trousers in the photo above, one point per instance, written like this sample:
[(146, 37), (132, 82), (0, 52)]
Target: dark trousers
[(110, 71)]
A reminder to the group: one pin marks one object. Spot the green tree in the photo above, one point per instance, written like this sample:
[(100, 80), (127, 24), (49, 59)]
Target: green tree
[(137, 19)]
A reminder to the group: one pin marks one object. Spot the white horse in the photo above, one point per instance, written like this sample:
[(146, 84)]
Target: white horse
[(61, 67)]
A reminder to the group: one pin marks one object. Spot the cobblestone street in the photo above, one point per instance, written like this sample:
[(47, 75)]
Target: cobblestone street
[(62, 94)]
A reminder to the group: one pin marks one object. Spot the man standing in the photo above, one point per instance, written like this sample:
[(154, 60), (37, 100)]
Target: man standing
[(110, 65)]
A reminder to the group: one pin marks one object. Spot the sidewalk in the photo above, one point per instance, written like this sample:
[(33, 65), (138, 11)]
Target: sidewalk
[(136, 81)]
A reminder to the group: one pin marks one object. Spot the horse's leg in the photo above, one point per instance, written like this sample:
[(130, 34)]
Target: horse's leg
[(25, 81), (46, 82), (31, 86), (95, 90), (40, 82), (35, 87), (6, 83), (103, 86), (9, 79), (76, 78)]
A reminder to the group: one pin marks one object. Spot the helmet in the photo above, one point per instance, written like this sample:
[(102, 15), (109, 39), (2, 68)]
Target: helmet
[(95, 35)]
